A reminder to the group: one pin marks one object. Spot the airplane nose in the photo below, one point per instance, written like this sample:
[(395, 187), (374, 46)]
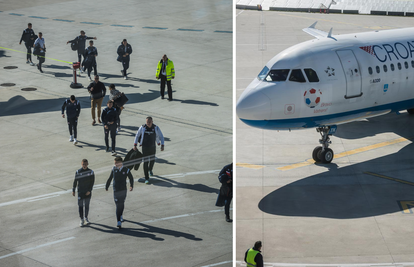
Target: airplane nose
[(253, 106)]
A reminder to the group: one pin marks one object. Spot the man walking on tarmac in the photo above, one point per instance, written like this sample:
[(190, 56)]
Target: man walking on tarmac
[(252, 257), (84, 180), (120, 173), (28, 37), (124, 50), (149, 134), (165, 72), (80, 41), (73, 109)]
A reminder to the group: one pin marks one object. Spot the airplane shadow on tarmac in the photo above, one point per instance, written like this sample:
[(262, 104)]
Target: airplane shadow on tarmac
[(165, 182), (145, 232), (353, 191)]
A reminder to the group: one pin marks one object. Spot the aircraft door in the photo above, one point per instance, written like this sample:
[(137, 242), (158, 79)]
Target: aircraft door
[(352, 73)]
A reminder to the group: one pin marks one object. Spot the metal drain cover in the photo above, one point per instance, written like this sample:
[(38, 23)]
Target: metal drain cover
[(10, 67), (29, 89), (7, 84)]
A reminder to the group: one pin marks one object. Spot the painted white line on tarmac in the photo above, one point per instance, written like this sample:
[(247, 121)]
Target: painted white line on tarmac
[(217, 264), (183, 216), (36, 247), (98, 186), (389, 264)]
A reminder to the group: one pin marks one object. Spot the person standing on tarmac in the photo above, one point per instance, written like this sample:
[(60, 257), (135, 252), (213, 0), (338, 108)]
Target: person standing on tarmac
[(84, 180), (73, 109), (109, 120), (147, 136), (226, 179), (97, 90), (28, 37), (252, 257), (124, 50), (165, 72), (89, 61), (115, 94), (40, 48), (120, 173), (80, 40)]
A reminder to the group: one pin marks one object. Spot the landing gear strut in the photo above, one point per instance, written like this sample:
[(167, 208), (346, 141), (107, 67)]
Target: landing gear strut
[(323, 153)]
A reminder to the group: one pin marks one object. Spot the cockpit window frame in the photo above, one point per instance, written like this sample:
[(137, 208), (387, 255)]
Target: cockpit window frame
[(294, 74), (277, 75), (263, 73), (311, 78)]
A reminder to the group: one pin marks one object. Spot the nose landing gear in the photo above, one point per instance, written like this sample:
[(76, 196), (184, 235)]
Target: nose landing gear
[(323, 153)]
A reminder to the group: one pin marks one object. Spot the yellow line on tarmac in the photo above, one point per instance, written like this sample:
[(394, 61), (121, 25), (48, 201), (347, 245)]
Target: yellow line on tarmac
[(251, 166), (5, 48), (389, 178), (347, 153)]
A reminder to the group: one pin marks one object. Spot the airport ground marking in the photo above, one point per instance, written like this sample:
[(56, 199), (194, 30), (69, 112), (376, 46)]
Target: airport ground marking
[(389, 178), (348, 153), (276, 264), (183, 215), (250, 166), (36, 247), (100, 186), (406, 206), (217, 264), (24, 52)]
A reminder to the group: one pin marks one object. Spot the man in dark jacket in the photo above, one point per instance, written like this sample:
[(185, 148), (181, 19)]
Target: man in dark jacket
[(109, 119), (89, 61), (28, 37), (124, 50), (84, 180), (226, 190), (253, 257), (80, 40), (73, 109), (97, 90), (120, 173)]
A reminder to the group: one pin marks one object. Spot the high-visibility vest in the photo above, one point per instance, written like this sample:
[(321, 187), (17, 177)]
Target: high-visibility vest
[(251, 254), (169, 70)]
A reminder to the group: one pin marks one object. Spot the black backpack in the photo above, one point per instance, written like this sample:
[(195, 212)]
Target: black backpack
[(74, 45)]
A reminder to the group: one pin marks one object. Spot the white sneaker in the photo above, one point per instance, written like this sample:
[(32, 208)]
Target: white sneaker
[(119, 224), (122, 219), (125, 77), (113, 153), (146, 182), (71, 138), (32, 64), (80, 70), (82, 223), (87, 221), (75, 141)]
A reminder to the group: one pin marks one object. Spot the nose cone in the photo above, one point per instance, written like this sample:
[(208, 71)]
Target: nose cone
[(253, 105)]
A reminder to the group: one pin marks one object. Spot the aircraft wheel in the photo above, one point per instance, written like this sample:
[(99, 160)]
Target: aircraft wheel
[(410, 111), (316, 154), (327, 155)]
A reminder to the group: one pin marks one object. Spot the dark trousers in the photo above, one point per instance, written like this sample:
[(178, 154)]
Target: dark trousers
[(84, 202), (119, 198), (148, 154), (73, 123), (162, 86), (118, 110), (80, 54), (125, 65), (95, 72), (111, 129), (41, 59), (227, 203), (29, 51)]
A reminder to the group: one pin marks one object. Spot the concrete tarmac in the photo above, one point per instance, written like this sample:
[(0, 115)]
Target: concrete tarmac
[(174, 220), (355, 211)]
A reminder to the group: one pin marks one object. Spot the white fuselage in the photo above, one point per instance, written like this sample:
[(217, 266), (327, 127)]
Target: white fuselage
[(357, 76)]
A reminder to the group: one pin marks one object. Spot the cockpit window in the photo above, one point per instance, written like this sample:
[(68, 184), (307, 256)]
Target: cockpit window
[(297, 76), (277, 75), (312, 76), (263, 73)]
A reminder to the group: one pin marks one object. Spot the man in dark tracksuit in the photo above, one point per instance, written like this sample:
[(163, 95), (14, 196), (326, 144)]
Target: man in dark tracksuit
[(81, 39), (147, 136), (84, 180), (226, 178), (89, 61), (109, 120), (73, 109), (120, 173), (252, 257), (124, 50), (28, 37)]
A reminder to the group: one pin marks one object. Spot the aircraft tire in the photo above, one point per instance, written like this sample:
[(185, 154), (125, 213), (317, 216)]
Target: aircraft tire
[(410, 111), (316, 154), (327, 155)]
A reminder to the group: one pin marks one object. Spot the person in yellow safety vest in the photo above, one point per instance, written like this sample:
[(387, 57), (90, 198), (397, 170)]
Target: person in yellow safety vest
[(165, 72), (253, 258)]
